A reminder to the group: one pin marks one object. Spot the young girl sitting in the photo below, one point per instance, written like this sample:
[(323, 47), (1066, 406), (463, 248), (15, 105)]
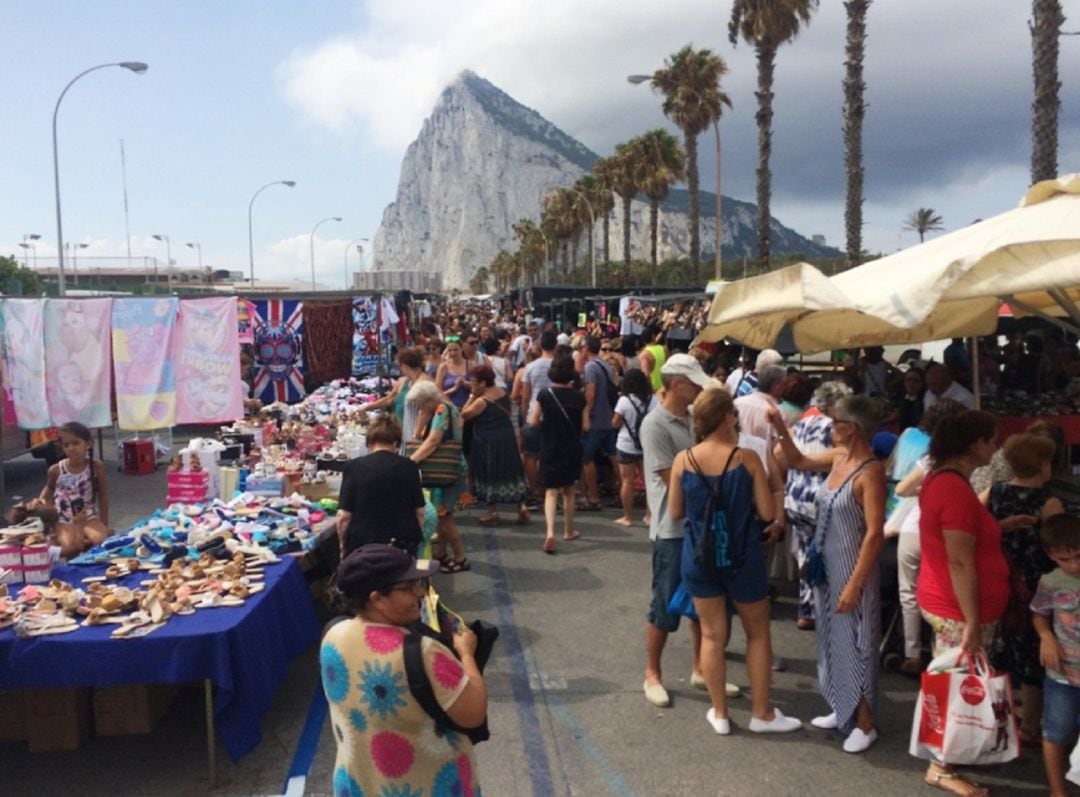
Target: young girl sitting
[(76, 488)]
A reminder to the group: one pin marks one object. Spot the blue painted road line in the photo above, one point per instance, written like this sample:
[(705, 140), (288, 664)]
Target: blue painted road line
[(536, 755), (308, 743)]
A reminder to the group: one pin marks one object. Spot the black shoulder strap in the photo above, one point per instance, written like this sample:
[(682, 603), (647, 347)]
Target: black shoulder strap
[(420, 685), (701, 474)]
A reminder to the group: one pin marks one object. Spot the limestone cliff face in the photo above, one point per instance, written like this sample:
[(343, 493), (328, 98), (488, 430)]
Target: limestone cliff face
[(482, 161)]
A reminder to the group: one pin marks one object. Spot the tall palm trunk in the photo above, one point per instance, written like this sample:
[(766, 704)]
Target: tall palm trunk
[(626, 231), (692, 186), (654, 233), (590, 251), (607, 242), (766, 66), (854, 111), (575, 240), (1047, 19)]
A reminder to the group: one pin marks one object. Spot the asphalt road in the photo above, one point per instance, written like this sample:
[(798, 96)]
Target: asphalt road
[(567, 713)]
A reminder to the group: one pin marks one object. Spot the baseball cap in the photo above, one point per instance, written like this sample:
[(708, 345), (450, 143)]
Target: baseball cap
[(375, 565), (687, 367)]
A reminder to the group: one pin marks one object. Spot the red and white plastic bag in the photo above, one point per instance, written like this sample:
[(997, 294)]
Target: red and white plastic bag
[(964, 713)]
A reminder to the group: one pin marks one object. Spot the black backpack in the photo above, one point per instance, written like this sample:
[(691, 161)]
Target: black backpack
[(420, 684), (715, 550), (610, 391)]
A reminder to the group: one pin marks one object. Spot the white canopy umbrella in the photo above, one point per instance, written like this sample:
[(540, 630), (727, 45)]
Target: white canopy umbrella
[(953, 285), (754, 310)]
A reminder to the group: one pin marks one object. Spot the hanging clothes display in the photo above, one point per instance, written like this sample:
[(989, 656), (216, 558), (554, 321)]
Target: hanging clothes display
[(78, 354), (279, 350), (207, 356), (24, 360), (142, 334), (366, 334), (245, 310)]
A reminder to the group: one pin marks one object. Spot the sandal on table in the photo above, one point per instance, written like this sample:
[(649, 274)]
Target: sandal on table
[(455, 566), (955, 783)]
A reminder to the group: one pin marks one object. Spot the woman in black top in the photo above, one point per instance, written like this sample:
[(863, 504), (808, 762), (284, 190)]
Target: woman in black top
[(367, 510), (560, 412)]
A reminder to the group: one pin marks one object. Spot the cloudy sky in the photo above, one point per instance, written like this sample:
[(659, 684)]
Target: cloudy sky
[(329, 94)]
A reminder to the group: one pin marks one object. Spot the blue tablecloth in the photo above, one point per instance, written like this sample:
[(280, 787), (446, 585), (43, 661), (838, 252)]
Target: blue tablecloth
[(244, 650)]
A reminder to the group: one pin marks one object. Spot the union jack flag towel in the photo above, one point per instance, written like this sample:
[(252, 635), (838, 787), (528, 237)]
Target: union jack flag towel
[(279, 350)]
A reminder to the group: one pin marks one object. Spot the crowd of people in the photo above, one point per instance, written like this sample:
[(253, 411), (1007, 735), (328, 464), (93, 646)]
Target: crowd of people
[(745, 462)]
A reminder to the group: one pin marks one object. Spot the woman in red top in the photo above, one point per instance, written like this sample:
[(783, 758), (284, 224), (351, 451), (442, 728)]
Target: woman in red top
[(963, 583)]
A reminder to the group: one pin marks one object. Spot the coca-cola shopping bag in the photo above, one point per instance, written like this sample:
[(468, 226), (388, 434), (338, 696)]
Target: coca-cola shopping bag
[(964, 713)]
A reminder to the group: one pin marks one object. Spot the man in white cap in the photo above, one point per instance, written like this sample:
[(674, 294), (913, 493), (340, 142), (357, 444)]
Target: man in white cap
[(664, 433)]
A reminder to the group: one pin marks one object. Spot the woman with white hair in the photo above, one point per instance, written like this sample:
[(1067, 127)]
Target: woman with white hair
[(842, 566), (437, 420), (812, 434)]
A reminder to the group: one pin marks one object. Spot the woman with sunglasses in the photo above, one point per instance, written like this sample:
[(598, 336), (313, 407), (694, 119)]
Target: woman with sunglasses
[(849, 534), (452, 378)]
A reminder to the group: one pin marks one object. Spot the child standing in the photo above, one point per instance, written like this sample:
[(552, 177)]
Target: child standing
[(76, 487), (1056, 617)]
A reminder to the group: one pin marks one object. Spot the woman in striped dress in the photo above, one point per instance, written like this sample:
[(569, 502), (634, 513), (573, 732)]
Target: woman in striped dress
[(849, 536)]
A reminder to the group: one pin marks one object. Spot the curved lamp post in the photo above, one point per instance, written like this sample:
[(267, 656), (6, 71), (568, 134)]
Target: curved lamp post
[(138, 67), (168, 258), (251, 248), (328, 218), (592, 234), (348, 246)]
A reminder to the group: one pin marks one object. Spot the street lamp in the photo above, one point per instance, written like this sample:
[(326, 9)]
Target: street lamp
[(168, 258), (75, 262), (251, 248), (198, 248), (348, 246), (592, 227), (138, 67), (328, 218), (26, 247), (636, 79)]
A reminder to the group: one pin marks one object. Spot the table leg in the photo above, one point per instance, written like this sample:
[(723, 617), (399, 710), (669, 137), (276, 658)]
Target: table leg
[(208, 689)]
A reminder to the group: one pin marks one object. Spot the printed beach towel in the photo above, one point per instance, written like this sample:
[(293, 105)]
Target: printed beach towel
[(24, 360), (366, 334), (207, 357), (78, 350), (142, 331), (279, 350)]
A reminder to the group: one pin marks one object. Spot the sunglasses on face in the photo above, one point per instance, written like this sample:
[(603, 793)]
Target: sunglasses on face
[(412, 585)]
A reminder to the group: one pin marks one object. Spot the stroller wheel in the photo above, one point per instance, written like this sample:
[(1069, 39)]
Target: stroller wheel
[(891, 661)]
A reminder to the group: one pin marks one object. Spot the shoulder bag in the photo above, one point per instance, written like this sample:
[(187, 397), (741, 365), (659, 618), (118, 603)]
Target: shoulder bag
[(442, 467)]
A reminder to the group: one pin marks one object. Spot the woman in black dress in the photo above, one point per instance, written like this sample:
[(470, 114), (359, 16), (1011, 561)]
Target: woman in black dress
[(494, 462), (560, 413)]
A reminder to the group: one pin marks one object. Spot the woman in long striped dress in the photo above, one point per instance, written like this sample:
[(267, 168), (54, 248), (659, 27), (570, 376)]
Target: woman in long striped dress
[(849, 536)]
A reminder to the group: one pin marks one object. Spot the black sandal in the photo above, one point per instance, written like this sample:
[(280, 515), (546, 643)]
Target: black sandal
[(455, 566)]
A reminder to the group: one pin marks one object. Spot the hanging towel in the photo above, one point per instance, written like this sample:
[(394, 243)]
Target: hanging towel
[(365, 315), (142, 332), (207, 356), (78, 351), (245, 311), (24, 360), (279, 350)]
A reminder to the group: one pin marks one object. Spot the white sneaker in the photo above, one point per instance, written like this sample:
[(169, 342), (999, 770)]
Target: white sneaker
[(826, 723), (778, 724), (657, 695), (859, 741), (722, 725)]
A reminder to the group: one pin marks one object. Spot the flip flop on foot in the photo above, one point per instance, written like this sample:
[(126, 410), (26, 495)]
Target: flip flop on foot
[(622, 521), (955, 783), (549, 545), (573, 535)]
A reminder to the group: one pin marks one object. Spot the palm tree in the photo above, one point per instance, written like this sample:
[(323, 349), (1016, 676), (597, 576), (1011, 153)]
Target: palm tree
[(530, 248), (690, 83), (922, 221), (605, 199), (478, 283), (766, 24), (1047, 19), (854, 110), (624, 183), (660, 164)]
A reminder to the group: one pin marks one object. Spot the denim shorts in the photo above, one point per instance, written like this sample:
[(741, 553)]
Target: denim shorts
[(531, 440), (665, 580), (1061, 711), (627, 459), (598, 441)]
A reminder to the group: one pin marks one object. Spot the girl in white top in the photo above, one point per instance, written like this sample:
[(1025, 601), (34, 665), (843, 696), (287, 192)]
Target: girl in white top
[(636, 401)]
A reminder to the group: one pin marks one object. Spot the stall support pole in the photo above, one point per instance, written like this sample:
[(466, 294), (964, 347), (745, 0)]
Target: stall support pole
[(211, 760), (975, 371)]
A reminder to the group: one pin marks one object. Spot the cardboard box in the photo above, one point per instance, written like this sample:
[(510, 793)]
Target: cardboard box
[(58, 719), (182, 479), (317, 491), (128, 710), (186, 495), (12, 715)]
